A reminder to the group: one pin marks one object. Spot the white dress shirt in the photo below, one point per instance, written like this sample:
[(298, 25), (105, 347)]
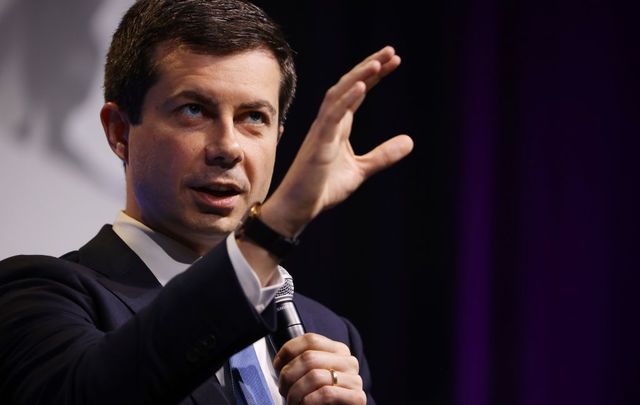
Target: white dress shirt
[(167, 258)]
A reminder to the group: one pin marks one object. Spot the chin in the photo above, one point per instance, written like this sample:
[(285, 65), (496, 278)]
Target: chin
[(220, 226)]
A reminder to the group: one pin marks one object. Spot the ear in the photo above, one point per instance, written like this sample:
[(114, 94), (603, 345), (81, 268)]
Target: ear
[(115, 123), (280, 131)]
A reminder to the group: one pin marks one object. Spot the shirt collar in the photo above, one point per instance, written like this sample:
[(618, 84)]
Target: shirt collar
[(164, 256)]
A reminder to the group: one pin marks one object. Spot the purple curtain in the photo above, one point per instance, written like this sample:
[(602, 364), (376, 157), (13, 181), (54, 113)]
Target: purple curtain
[(498, 263), (548, 266)]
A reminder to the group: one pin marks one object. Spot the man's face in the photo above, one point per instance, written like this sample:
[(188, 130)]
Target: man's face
[(205, 148)]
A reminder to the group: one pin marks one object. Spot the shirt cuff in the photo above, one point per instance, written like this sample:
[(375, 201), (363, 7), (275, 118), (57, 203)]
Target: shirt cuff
[(258, 296)]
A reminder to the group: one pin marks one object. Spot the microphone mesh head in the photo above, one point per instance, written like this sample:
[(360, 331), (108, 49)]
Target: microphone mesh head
[(285, 293)]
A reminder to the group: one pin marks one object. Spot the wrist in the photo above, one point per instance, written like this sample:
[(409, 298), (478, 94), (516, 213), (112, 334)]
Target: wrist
[(281, 218), (261, 234)]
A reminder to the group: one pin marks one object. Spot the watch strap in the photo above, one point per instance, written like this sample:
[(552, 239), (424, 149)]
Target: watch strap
[(264, 236)]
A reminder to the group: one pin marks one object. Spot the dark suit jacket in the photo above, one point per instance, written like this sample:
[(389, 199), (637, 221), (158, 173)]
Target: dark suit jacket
[(95, 327)]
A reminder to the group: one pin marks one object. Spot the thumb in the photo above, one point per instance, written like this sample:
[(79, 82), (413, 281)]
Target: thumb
[(386, 154)]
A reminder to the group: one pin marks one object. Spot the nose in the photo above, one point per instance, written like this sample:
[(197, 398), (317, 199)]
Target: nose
[(223, 148)]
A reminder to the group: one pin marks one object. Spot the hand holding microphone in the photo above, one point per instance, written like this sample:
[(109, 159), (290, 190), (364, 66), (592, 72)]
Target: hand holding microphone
[(289, 323)]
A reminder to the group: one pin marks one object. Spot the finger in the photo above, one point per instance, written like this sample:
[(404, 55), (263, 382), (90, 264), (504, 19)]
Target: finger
[(357, 103), (383, 55), (385, 69), (361, 72), (370, 70), (365, 71), (311, 360), (375, 79), (386, 154), (335, 395), (331, 115), (389, 62), (309, 341), (370, 82), (316, 379)]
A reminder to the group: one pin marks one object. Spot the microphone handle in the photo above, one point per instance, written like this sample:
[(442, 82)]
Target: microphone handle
[(289, 324)]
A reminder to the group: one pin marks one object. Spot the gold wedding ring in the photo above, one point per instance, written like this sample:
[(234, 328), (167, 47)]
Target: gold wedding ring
[(334, 377)]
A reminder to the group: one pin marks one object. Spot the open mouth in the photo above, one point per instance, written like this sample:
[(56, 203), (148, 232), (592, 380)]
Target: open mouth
[(218, 191), (219, 199)]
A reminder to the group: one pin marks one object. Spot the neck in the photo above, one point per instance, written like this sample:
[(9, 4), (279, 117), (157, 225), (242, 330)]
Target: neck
[(183, 248)]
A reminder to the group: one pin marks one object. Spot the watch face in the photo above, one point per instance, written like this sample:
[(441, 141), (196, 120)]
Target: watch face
[(254, 211)]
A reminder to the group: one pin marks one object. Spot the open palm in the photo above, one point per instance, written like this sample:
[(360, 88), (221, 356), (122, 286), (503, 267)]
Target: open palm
[(326, 170)]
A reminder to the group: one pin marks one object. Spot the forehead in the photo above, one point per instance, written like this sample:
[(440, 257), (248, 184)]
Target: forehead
[(249, 74)]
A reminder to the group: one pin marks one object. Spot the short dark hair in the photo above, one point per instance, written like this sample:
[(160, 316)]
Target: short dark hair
[(216, 27)]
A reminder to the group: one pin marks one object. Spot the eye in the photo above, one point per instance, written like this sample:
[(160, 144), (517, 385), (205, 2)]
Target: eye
[(255, 118), (191, 110)]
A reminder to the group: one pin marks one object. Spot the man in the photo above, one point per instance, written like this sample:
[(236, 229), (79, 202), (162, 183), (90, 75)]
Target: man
[(196, 93)]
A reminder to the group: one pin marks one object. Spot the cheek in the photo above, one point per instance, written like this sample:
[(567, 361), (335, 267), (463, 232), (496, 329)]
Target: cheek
[(157, 164), (261, 161)]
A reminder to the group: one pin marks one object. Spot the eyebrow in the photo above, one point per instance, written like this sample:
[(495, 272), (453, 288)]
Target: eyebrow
[(211, 103), (258, 104)]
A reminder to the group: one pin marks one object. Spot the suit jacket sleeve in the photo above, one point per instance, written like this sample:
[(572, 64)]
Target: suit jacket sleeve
[(65, 338), (320, 319), (355, 344)]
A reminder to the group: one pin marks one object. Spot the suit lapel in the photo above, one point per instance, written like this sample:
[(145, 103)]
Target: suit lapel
[(126, 276), (124, 272)]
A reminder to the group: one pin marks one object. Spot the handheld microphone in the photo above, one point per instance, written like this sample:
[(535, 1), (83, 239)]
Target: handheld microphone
[(289, 322)]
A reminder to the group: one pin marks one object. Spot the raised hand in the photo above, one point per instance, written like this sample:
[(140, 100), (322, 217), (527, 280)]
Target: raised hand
[(326, 170)]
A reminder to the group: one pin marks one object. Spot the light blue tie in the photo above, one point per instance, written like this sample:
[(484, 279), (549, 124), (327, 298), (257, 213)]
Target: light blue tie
[(249, 384)]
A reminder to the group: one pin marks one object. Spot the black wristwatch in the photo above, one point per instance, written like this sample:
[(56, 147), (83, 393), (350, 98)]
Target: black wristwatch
[(261, 234)]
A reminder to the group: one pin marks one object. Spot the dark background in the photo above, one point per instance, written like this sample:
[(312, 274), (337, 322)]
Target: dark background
[(497, 263)]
